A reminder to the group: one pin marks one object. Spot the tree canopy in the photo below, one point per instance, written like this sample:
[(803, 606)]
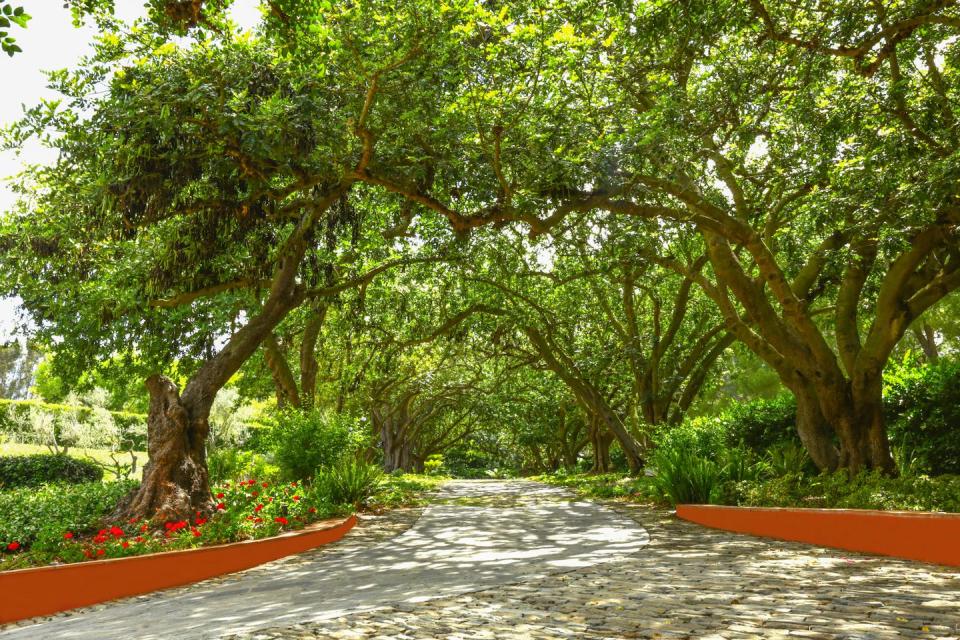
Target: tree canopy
[(404, 207)]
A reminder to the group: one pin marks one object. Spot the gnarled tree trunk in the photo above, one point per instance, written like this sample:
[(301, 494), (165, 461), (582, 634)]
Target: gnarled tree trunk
[(175, 485)]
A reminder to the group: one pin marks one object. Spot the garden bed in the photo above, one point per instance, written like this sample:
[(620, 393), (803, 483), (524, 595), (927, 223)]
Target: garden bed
[(45, 590), (923, 536)]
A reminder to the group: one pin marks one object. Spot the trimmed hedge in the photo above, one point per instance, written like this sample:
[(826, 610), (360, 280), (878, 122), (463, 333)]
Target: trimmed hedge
[(38, 469), (126, 421)]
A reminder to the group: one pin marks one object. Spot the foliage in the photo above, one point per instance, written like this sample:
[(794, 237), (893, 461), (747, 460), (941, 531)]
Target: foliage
[(231, 464), (49, 529), (38, 422), (230, 420), (683, 476), (305, 441), (65, 524), (601, 485), (626, 189), (36, 470), (762, 424), (404, 490), (465, 461), (11, 15), (348, 481), (433, 465), (863, 491), (25, 514), (923, 410)]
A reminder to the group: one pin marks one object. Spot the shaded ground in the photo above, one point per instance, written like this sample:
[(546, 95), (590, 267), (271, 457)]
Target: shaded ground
[(476, 536), (689, 582)]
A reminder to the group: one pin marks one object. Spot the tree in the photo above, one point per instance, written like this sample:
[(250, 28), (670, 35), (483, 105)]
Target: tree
[(182, 216), (813, 161)]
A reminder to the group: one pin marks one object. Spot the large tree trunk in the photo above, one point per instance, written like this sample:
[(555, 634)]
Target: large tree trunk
[(175, 485), (850, 415), (814, 429), (600, 441)]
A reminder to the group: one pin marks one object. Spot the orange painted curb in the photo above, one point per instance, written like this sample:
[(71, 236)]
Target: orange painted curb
[(927, 537), (45, 590)]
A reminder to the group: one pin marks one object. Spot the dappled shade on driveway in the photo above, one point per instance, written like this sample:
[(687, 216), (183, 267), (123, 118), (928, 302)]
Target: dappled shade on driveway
[(476, 535)]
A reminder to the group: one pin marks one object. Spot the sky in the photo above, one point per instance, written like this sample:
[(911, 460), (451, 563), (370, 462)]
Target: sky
[(52, 42)]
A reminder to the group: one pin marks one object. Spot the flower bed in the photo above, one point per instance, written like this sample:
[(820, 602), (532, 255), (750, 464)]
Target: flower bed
[(927, 537), (45, 590), (245, 510)]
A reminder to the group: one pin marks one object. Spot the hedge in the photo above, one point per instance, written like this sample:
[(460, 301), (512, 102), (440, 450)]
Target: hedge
[(37, 469)]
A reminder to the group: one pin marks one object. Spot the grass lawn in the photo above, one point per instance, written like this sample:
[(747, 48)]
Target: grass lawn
[(99, 455)]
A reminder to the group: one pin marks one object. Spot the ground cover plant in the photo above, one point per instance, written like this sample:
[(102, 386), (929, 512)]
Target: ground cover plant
[(72, 523)]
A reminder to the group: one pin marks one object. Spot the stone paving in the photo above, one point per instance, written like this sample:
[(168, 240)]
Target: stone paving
[(476, 535), (689, 582)]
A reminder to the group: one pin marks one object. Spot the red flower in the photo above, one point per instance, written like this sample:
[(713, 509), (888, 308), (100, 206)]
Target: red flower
[(254, 493), (280, 519), (220, 496), (195, 532), (144, 528), (265, 485), (139, 538), (221, 507), (124, 544), (87, 554), (100, 552), (67, 535), (116, 531), (257, 508), (270, 499), (258, 520), (13, 546), (296, 498), (132, 520), (293, 484), (200, 521), (312, 509)]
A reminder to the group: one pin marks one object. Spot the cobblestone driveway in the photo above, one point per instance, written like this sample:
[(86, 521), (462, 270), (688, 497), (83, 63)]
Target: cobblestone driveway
[(689, 582)]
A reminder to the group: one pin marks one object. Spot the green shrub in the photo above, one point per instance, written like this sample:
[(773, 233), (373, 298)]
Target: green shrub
[(923, 415), (27, 513), (788, 459), (433, 465), (347, 482), (864, 491), (38, 469), (465, 461), (226, 465), (303, 442), (685, 477), (701, 437), (762, 424)]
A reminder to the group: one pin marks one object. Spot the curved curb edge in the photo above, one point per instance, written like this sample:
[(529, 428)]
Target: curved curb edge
[(40, 591), (922, 536)]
